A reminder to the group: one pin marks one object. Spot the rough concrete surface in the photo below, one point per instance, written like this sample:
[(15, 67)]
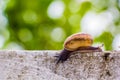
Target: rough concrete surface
[(40, 65)]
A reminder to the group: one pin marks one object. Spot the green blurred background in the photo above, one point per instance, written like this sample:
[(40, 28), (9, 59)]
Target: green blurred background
[(45, 24)]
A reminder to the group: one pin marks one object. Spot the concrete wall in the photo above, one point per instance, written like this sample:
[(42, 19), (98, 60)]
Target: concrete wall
[(40, 65)]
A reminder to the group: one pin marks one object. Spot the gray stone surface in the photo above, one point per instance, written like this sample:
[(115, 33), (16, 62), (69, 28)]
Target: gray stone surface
[(40, 65)]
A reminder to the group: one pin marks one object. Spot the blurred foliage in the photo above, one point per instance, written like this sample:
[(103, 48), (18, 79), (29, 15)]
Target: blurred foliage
[(31, 27), (102, 39)]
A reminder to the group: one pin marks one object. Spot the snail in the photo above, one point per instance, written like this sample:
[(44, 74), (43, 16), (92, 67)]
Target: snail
[(77, 42)]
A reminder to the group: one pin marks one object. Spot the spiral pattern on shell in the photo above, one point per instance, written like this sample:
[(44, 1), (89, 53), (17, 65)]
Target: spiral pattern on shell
[(78, 40)]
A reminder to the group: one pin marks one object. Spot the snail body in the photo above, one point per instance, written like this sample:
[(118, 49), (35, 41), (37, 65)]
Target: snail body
[(76, 42)]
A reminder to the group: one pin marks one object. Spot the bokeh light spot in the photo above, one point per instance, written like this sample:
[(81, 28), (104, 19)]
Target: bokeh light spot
[(74, 6), (74, 20), (14, 46), (58, 34), (2, 40), (25, 35), (116, 42), (56, 9), (3, 21), (94, 23), (30, 17)]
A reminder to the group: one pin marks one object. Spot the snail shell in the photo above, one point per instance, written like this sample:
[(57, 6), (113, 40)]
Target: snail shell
[(78, 40)]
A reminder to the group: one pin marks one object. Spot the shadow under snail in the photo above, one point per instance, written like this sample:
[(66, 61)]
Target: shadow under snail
[(77, 42)]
